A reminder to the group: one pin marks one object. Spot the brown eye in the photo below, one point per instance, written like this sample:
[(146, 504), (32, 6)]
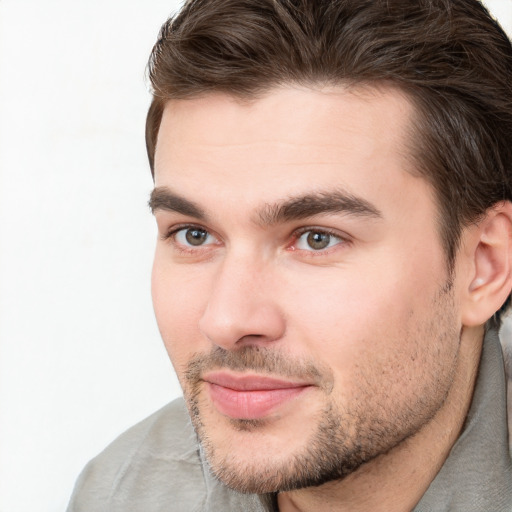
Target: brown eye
[(195, 236), (318, 240)]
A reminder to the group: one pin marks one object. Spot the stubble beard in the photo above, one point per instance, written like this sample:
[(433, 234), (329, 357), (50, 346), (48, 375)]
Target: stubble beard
[(346, 436)]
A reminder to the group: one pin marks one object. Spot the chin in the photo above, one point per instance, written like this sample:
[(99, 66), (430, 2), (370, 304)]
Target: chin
[(258, 456)]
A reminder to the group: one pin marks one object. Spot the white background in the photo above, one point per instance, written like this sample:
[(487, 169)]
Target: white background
[(80, 355)]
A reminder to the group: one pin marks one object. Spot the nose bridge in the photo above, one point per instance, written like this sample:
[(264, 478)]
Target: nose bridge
[(240, 304)]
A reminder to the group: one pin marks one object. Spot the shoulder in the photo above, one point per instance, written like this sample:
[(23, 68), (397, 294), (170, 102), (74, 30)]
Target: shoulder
[(154, 465), (506, 345)]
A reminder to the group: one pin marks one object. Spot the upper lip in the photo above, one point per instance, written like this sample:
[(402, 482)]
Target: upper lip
[(250, 382)]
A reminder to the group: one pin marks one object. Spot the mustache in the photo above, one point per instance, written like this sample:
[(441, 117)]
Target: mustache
[(259, 359)]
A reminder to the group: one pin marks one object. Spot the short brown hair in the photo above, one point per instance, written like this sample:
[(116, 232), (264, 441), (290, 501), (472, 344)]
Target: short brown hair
[(450, 57)]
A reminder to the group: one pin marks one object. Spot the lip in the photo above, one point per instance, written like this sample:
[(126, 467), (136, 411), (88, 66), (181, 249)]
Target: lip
[(250, 397)]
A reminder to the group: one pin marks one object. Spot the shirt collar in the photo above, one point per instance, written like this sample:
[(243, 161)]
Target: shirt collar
[(477, 475)]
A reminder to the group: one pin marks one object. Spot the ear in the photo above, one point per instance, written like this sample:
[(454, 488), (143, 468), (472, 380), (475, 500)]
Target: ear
[(489, 246)]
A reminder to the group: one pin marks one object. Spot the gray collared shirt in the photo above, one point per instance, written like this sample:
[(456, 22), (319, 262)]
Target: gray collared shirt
[(477, 475), (157, 465)]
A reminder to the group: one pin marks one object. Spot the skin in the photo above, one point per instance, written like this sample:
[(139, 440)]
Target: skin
[(374, 325)]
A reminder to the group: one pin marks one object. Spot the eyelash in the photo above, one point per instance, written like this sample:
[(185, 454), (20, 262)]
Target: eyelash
[(183, 249), (175, 229), (296, 235), (343, 240)]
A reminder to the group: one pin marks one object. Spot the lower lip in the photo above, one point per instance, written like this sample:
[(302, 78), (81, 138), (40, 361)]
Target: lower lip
[(250, 405)]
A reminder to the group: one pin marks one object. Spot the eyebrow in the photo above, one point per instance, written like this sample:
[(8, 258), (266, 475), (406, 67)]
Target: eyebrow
[(294, 208), (318, 203), (163, 199)]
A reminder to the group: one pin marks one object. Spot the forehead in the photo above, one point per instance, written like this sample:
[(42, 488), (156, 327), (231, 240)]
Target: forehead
[(286, 142)]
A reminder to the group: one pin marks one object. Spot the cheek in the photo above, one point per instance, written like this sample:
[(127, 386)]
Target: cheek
[(346, 316), (178, 296), (344, 303), (387, 352)]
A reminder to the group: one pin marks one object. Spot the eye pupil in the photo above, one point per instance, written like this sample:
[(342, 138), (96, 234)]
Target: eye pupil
[(318, 240), (196, 236)]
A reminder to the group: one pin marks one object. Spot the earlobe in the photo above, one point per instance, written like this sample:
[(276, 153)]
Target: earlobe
[(491, 252)]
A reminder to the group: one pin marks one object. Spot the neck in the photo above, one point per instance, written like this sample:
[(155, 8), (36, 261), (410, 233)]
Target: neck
[(397, 480)]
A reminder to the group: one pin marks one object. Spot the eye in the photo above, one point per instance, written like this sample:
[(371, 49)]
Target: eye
[(193, 237), (316, 240)]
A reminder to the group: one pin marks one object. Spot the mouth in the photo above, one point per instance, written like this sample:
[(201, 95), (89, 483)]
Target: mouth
[(250, 397)]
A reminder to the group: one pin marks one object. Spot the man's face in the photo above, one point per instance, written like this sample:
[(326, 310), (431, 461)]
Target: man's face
[(299, 281)]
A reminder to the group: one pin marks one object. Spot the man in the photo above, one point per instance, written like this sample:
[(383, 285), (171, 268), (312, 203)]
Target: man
[(332, 193)]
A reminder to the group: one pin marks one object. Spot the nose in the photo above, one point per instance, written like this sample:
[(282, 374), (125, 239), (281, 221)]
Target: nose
[(242, 306)]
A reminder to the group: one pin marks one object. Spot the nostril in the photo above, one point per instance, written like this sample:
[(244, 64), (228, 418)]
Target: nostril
[(249, 338)]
